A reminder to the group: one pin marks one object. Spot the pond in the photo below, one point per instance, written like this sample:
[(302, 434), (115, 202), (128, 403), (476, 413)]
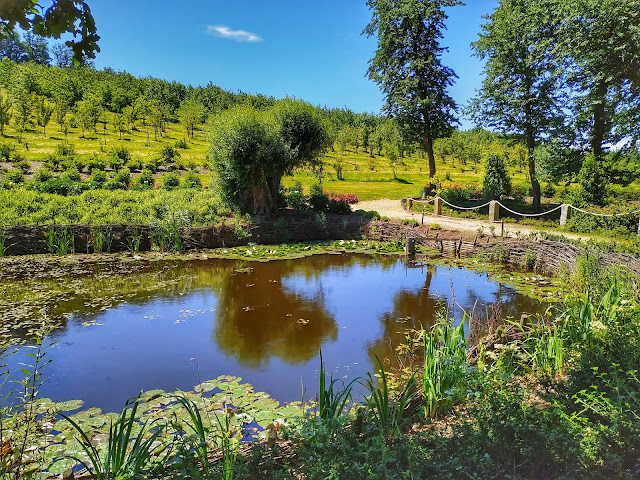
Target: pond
[(172, 324)]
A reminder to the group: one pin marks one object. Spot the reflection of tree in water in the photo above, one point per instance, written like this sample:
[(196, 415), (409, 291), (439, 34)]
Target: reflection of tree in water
[(506, 302), (257, 318), (411, 310)]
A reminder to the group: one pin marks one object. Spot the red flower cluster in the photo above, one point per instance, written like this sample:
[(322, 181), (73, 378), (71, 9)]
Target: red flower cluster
[(350, 198)]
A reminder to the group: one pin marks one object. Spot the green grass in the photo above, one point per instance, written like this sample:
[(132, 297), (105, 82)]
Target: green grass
[(379, 183)]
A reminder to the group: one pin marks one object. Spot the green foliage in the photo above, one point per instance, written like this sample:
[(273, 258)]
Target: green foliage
[(249, 157), (387, 408), (15, 176), (102, 207), (73, 175), (497, 182), (191, 179), (169, 154), (129, 453), (414, 80), (60, 239), (42, 174), (331, 401), (171, 180), (592, 181), (252, 150), (445, 367)]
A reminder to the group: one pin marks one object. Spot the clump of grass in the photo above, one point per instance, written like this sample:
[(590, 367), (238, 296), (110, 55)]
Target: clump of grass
[(60, 239), (445, 366), (331, 401), (387, 408)]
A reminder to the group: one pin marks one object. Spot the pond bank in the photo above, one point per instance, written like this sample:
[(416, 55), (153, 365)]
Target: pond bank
[(532, 252)]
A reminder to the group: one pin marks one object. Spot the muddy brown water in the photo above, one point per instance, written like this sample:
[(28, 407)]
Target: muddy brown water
[(176, 323)]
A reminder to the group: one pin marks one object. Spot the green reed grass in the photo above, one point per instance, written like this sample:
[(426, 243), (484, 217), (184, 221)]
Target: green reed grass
[(445, 366), (331, 401), (128, 454), (388, 407)]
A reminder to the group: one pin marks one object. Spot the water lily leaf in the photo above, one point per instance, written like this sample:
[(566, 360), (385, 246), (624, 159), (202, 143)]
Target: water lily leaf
[(206, 386), (69, 405)]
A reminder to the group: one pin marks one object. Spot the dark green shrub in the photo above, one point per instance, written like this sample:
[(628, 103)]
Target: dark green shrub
[(145, 179), (497, 183), (191, 180), (150, 166), (123, 176), (134, 164), (319, 201), (315, 189), (113, 184), (180, 144), (63, 150), (120, 152), (296, 200), (14, 176), (338, 206), (168, 154), (42, 174), (592, 181), (171, 180), (72, 175), (5, 151), (23, 165), (370, 214), (98, 176), (96, 162)]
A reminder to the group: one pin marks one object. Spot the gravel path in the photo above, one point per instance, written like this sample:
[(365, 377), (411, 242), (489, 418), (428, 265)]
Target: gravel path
[(393, 209)]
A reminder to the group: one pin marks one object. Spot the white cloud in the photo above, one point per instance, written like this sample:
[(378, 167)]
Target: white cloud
[(236, 35)]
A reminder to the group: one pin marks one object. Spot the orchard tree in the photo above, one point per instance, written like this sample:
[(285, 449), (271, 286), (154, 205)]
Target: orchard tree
[(191, 113), (60, 16), (43, 113), (521, 93), (407, 65), (23, 107), (119, 124), (5, 112), (88, 113)]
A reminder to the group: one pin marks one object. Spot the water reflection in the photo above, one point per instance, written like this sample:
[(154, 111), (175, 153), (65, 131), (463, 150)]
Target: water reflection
[(258, 318), (171, 324)]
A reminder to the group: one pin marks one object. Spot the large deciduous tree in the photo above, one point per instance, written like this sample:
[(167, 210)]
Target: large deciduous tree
[(407, 65), (521, 93), (599, 43), (252, 150), (61, 16)]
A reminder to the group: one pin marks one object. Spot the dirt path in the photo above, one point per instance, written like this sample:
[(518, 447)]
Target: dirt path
[(393, 209)]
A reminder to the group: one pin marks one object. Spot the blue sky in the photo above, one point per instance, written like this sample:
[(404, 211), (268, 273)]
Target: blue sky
[(310, 50)]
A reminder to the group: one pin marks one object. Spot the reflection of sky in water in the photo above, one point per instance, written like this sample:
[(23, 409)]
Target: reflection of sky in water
[(173, 342)]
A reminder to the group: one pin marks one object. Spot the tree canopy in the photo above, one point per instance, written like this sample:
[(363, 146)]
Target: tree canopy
[(61, 16), (407, 66), (252, 149)]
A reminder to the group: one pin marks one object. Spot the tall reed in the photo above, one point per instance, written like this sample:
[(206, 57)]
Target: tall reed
[(331, 401), (388, 407), (445, 366)]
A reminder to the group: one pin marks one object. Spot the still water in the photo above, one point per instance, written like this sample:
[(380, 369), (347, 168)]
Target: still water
[(177, 323)]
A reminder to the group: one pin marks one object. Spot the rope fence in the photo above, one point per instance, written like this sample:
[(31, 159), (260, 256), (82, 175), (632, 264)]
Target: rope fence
[(494, 206)]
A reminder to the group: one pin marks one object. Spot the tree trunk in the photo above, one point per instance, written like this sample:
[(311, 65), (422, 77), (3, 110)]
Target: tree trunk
[(431, 159), (599, 115), (535, 185)]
